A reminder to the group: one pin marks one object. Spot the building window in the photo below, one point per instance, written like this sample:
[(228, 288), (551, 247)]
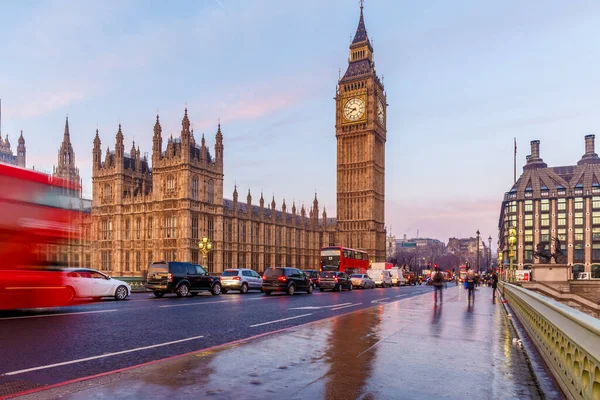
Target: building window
[(596, 218), (561, 204), (211, 261), (127, 261), (528, 236), (545, 235), (195, 188), (578, 253), (578, 203), (562, 235), (106, 260), (150, 260), (545, 220), (211, 228), (127, 229), (170, 255), (578, 218), (107, 229), (195, 228), (545, 205), (596, 203), (138, 228), (561, 219), (194, 256), (578, 236), (242, 232), (107, 191), (528, 206), (149, 227), (596, 234), (88, 261), (171, 227), (528, 220), (211, 192), (596, 251), (170, 182), (138, 261)]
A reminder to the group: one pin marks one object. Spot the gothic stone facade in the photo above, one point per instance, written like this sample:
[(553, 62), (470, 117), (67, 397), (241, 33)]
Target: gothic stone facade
[(141, 215), (361, 136)]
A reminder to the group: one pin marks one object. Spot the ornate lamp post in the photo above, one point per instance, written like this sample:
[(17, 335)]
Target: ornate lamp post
[(478, 266), (205, 247), (489, 253), (512, 241)]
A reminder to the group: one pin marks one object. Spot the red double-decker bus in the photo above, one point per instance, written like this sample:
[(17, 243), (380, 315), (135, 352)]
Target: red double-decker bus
[(35, 213), (350, 261)]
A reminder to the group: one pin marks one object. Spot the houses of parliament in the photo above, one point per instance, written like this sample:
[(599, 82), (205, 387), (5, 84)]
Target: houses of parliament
[(145, 210)]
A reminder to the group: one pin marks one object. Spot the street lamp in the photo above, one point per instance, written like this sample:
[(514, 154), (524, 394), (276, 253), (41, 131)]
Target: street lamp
[(490, 253), (478, 266), (512, 241), (500, 268), (205, 247)]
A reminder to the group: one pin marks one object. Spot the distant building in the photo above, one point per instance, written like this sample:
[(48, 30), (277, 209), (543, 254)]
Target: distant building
[(555, 202), (390, 246), (466, 250), (6, 153)]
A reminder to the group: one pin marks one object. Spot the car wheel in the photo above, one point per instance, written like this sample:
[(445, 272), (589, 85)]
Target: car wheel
[(244, 289), (339, 288), (224, 291), (310, 289), (70, 294), (350, 288), (121, 293), (183, 290), (291, 290), (216, 289), (159, 294)]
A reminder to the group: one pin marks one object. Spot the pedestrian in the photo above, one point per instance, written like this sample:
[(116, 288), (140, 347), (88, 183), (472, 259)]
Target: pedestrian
[(438, 283), (494, 281), (471, 284)]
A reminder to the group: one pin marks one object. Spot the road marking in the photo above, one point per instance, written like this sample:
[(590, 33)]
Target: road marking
[(100, 356), (402, 295), (317, 307), (351, 305), (378, 300), (199, 303), (279, 320), (58, 315)]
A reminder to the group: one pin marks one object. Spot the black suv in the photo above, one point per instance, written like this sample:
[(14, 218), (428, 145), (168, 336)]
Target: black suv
[(289, 280), (335, 281), (313, 274), (180, 278)]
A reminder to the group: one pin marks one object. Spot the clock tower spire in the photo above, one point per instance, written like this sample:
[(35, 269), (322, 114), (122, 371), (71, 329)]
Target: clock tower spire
[(361, 136)]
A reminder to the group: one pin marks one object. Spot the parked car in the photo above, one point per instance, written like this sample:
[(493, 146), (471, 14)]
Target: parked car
[(241, 279), (313, 274), (362, 281), (288, 280), (397, 277), (181, 278), (381, 277), (85, 282), (334, 280)]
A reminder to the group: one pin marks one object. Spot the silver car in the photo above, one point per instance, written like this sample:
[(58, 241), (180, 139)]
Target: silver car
[(362, 281), (241, 279)]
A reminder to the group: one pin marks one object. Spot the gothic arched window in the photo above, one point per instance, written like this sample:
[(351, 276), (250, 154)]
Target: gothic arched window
[(195, 188), (107, 191), (170, 182)]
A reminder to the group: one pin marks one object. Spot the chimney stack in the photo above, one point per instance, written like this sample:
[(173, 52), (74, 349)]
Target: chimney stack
[(534, 160), (589, 144), (590, 156)]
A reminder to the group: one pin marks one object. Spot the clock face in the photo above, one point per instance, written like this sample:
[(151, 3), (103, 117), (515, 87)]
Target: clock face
[(354, 109), (380, 112)]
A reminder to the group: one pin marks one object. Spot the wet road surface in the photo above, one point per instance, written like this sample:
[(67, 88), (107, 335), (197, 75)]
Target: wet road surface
[(49, 346), (403, 349)]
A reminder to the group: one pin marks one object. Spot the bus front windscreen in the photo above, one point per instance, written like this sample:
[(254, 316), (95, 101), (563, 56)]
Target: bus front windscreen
[(330, 260)]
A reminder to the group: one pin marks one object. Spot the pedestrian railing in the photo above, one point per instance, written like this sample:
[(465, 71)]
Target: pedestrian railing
[(568, 340)]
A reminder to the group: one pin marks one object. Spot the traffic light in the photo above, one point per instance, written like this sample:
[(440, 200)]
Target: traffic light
[(435, 266)]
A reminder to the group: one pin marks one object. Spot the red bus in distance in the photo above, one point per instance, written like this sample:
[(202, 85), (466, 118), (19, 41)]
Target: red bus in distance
[(350, 261), (34, 212)]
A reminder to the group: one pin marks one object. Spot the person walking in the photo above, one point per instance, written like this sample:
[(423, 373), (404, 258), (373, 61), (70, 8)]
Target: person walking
[(438, 283), (494, 284), (471, 284)]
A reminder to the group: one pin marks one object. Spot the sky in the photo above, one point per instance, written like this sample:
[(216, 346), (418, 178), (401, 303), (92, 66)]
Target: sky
[(463, 78)]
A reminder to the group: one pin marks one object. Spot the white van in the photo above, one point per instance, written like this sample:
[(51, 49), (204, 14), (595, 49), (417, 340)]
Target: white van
[(382, 278), (397, 277)]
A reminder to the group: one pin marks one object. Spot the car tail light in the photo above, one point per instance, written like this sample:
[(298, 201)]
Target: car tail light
[(282, 279), (264, 278), (236, 278), (335, 279), (170, 277), (319, 279)]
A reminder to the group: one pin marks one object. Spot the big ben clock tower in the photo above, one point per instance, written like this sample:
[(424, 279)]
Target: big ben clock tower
[(361, 134)]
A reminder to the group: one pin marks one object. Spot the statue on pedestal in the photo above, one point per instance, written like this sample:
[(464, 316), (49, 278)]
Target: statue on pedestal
[(546, 255)]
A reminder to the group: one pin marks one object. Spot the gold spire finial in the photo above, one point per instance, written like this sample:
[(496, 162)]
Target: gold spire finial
[(362, 3)]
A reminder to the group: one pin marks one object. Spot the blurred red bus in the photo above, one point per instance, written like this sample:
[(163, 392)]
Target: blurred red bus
[(350, 261), (34, 213)]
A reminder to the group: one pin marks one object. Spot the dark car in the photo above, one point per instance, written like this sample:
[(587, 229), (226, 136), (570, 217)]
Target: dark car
[(335, 281), (288, 280), (313, 274), (181, 278)]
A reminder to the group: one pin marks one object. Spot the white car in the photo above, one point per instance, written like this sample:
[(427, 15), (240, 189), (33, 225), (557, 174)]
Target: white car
[(85, 282), (241, 279), (381, 277)]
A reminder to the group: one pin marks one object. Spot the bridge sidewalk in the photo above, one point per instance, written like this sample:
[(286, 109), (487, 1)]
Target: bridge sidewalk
[(407, 349)]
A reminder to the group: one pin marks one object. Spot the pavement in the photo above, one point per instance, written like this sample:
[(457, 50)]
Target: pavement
[(405, 349)]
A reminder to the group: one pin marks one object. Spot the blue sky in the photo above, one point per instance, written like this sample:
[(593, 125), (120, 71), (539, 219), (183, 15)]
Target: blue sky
[(462, 79)]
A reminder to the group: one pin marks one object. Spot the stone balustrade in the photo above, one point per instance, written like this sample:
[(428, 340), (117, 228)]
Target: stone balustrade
[(567, 339)]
